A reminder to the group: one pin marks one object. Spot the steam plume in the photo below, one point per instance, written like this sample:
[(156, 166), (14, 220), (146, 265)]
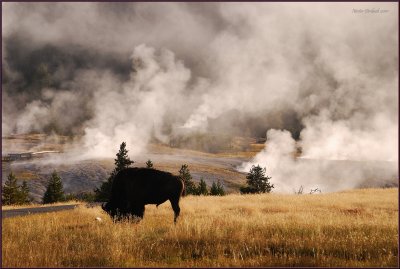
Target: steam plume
[(113, 72)]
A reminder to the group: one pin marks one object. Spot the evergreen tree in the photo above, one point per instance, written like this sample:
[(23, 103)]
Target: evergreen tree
[(121, 162), (24, 190), (184, 173), (220, 188), (257, 181), (217, 189), (14, 194), (10, 194), (103, 193), (149, 164), (54, 192), (202, 188)]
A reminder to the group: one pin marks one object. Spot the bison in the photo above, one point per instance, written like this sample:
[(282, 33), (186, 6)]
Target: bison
[(133, 188)]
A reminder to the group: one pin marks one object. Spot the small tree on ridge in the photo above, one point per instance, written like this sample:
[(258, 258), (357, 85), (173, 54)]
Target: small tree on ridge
[(149, 164), (217, 189), (186, 177), (202, 188), (121, 162)]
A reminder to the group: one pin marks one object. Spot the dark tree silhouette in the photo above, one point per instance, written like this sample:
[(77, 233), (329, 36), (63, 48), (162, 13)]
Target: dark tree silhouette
[(217, 189), (149, 164), (186, 177), (257, 181), (25, 193), (202, 188), (121, 162), (54, 192), (10, 190), (13, 193)]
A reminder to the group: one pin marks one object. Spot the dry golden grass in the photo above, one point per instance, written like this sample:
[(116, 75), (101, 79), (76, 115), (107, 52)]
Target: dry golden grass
[(26, 175), (33, 142), (253, 150), (231, 178), (164, 149), (354, 228)]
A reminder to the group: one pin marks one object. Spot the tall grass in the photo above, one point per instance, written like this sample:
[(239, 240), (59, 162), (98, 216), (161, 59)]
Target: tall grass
[(354, 228)]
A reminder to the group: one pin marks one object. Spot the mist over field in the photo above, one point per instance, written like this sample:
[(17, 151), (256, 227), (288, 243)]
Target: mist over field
[(318, 76)]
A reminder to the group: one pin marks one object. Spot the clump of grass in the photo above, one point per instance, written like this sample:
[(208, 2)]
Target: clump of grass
[(355, 228)]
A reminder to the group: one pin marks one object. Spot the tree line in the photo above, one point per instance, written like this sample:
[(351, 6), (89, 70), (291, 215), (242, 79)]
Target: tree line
[(13, 193), (191, 188)]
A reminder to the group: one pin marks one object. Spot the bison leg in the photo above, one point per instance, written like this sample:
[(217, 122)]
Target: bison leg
[(176, 208), (138, 211), (120, 215)]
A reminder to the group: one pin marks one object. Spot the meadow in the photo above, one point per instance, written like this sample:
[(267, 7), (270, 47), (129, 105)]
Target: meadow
[(357, 228)]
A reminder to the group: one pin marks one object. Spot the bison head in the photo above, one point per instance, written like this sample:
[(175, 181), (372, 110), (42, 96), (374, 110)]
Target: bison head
[(114, 212)]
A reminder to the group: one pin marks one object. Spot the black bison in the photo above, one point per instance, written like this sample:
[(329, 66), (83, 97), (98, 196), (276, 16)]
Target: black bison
[(133, 188)]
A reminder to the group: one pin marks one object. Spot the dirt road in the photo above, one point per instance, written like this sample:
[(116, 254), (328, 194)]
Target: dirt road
[(34, 210)]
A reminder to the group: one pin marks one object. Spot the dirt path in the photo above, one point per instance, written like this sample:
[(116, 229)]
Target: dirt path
[(35, 210)]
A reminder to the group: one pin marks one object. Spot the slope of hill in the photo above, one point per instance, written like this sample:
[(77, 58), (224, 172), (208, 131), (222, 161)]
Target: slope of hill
[(86, 175)]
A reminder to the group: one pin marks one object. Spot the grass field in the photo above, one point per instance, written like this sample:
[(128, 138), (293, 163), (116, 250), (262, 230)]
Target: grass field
[(356, 228)]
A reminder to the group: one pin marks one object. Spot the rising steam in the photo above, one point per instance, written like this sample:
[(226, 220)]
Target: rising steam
[(112, 72)]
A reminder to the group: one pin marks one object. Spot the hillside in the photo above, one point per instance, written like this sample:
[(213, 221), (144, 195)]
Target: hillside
[(86, 175)]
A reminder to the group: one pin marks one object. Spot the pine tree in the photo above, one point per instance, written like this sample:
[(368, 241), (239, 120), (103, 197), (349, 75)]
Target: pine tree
[(149, 164), (217, 189), (103, 193), (13, 193), (220, 189), (10, 191), (186, 177), (24, 190), (202, 188), (257, 181), (54, 192), (121, 162)]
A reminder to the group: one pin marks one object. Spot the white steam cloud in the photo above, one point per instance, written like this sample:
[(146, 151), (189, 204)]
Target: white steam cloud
[(137, 108), (319, 70), (289, 173)]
